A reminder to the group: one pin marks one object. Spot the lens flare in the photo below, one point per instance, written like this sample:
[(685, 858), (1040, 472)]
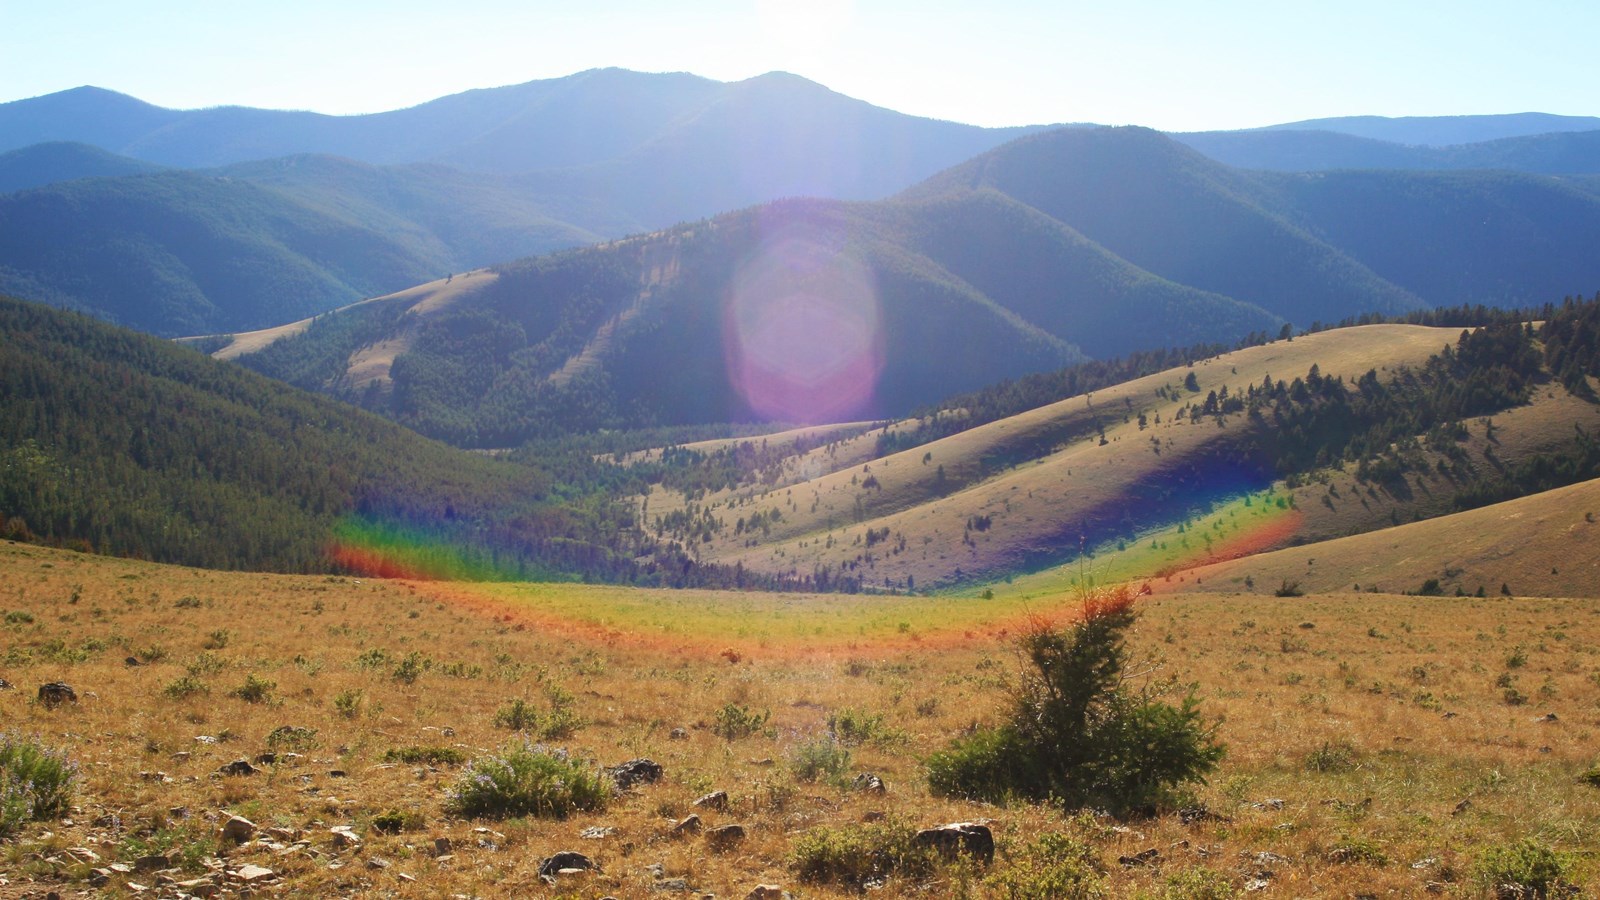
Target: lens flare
[(802, 328)]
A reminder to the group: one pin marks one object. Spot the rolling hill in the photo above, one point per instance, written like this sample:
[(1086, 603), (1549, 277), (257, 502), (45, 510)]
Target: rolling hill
[(1162, 472), (1060, 245), (1559, 153), (42, 164)]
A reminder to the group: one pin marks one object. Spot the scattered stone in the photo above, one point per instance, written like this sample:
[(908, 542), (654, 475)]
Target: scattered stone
[(1449, 715), (266, 759), (767, 892), (678, 734), (597, 832), (251, 874), (4, 685), (869, 783), (155, 862), (55, 693), (99, 877), (1268, 858), (725, 836), (196, 886), (565, 861), (377, 863), (1548, 717), (441, 846), (1428, 863), (406, 878), (763, 761), (239, 766), (972, 838), (238, 829), (204, 739), (181, 756), (1272, 804), (155, 776), (1142, 858), (1462, 807), (635, 771), (1192, 814), (344, 838), (672, 884), (874, 815), (1256, 884), (132, 661), (287, 835), (136, 887), (717, 800), (688, 825), (338, 773)]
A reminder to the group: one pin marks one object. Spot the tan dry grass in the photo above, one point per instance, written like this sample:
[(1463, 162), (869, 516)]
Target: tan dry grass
[(1371, 676)]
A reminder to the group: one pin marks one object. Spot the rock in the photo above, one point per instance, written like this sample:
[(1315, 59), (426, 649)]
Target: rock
[(338, 773), (344, 838), (767, 892), (1256, 884), (132, 661), (252, 874), (1548, 717), (725, 836), (563, 861), (4, 685), (597, 832), (689, 825), (287, 835), (1268, 858), (266, 759), (99, 877), (441, 846), (1142, 858), (672, 884), (155, 862), (635, 771), (1462, 807), (717, 800), (238, 767), (377, 863), (868, 783), (1273, 804), (972, 838), (238, 829), (1192, 814), (678, 734), (55, 693)]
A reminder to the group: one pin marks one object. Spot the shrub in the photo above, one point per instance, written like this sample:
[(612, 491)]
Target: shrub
[(853, 727), (1288, 589), (1331, 757), (430, 756), (527, 780), (411, 668), (735, 722), (186, 686), (821, 760), (218, 639), (1199, 884), (1527, 868), (1052, 866), (254, 690), (560, 722), (36, 783), (348, 703), (297, 738), (394, 821), (1078, 732), (856, 856)]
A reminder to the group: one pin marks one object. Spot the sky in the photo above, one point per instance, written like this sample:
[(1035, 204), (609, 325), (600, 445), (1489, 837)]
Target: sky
[(1176, 66)]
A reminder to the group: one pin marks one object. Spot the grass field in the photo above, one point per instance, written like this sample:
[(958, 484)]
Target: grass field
[(1377, 744)]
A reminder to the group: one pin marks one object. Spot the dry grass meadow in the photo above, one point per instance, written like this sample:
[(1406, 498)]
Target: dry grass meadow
[(1378, 745)]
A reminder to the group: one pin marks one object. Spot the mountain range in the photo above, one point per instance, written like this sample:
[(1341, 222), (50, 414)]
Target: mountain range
[(292, 213)]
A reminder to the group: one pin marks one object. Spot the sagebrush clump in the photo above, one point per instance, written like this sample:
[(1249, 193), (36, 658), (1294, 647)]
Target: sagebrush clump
[(36, 783), (528, 780), (1079, 733)]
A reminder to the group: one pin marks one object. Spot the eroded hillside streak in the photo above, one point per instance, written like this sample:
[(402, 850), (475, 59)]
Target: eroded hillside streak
[(374, 363), (658, 266)]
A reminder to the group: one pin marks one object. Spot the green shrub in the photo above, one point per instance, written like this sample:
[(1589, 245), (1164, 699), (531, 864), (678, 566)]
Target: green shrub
[(348, 703), (735, 722), (295, 738), (853, 727), (186, 686), (218, 639), (411, 668), (1049, 867), (1079, 733), (855, 856), (427, 756), (254, 689), (36, 783), (1528, 868), (1199, 884), (394, 821), (527, 780), (1332, 757), (560, 722), (823, 759)]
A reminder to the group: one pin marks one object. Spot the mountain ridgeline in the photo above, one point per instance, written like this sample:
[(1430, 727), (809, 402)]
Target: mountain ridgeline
[(1063, 245)]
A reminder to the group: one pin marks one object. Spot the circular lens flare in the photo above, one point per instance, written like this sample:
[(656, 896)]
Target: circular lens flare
[(802, 328)]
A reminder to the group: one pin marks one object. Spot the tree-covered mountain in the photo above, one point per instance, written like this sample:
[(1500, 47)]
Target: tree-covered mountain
[(42, 164), (1557, 153), (1067, 243), (1444, 131)]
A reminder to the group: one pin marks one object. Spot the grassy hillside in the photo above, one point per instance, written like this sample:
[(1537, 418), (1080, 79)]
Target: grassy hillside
[(1403, 740), (1339, 432)]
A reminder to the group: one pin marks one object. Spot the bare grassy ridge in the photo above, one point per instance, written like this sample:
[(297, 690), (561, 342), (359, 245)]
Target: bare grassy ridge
[(1371, 717)]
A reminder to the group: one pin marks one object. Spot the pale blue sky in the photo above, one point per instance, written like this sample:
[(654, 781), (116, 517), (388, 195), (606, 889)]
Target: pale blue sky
[(1169, 65)]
